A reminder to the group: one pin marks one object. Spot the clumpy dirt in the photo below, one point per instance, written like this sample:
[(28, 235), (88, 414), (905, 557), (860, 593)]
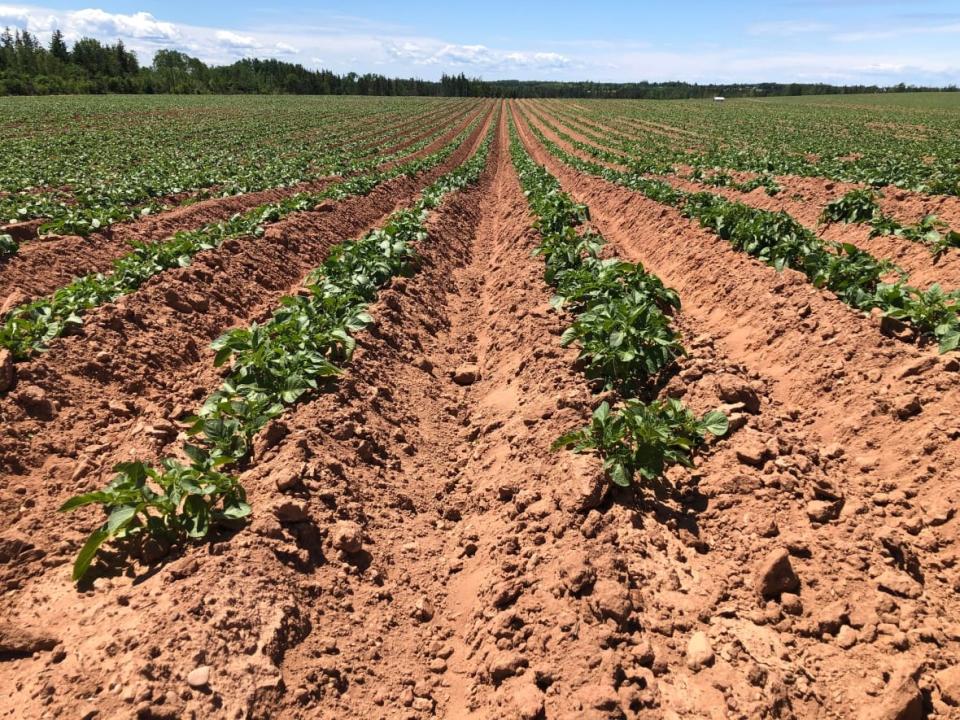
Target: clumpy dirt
[(417, 550)]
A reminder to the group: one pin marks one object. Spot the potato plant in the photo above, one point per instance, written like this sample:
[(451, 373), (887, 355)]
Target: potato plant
[(30, 327), (622, 325), (272, 367), (853, 275)]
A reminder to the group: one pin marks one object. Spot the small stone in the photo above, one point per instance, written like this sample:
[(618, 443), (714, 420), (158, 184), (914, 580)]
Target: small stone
[(906, 406), (18, 641), (830, 617), (287, 479), (611, 599), (847, 637), (752, 450), (291, 511), (199, 677), (34, 400), (466, 374), (424, 364), (699, 651), (901, 701), (791, 603), (348, 537), (423, 610), (576, 573), (527, 700), (584, 485), (423, 704), (821, 511), (775, 575), (14, 299), (438, 665), (733, 389)]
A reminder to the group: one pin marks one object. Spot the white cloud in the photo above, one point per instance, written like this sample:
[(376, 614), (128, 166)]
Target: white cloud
[(234, 40), (478, 57), (141, 25), (891, 33)]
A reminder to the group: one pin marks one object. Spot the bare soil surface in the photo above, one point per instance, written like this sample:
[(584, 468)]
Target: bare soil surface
[(416, 548)]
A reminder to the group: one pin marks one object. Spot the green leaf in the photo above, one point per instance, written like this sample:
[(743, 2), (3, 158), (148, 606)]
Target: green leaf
[(715, 423), (88, 551), (120, 518), (949, 340), (619, 475), (86, 499)]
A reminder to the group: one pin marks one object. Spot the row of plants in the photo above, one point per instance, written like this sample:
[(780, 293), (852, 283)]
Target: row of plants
[(146, 187), (707, 176), (622, 325), (30, 327), (862, 207), (346, 159), (857, 206), (273, 366), (911, 148), (853, 275)]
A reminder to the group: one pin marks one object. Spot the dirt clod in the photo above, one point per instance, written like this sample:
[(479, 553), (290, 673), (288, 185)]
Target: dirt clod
[(775, 575)]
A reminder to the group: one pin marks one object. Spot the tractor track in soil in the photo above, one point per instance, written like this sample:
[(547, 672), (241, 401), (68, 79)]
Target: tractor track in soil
[(876, 414), (42, 266)]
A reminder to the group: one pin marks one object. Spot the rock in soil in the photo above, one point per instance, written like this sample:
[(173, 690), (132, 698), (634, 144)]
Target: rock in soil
[(775, 575)]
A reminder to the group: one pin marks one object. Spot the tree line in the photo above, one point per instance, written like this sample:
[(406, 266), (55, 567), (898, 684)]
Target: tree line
[(28, 67)]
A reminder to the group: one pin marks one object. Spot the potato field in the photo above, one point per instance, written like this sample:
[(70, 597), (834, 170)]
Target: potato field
[(342, 407)]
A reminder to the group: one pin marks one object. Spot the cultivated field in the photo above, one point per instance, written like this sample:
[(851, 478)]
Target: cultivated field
[(360, 408)]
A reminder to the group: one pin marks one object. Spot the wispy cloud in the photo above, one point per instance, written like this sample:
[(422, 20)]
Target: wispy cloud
[(889, 33), (786, 28), (430, 52)]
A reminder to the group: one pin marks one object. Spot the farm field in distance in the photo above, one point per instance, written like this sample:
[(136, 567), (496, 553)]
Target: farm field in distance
[(358, 407)]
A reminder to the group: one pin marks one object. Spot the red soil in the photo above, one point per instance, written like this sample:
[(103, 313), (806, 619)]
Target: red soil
[(493, 577)]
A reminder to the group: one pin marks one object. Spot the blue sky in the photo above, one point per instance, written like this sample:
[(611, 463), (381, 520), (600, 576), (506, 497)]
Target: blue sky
[(839, 41)]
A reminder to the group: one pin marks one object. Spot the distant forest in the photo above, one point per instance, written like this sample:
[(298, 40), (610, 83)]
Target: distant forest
[(28, 67)]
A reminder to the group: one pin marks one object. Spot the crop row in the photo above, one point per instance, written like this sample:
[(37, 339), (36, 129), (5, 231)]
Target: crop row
[(245, 161), (274, 365), (32, 326), (793, 139), (622, 325), (857, 206), (861, 206), (853, 275), (346, 159)]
